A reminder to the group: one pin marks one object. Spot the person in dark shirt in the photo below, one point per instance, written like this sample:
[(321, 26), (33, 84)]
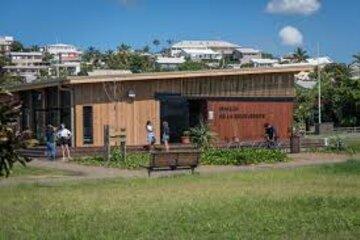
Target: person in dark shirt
[(166, 135), (50, 142), (270, 134)]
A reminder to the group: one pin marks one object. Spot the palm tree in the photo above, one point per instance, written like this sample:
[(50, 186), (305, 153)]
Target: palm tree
[(300, 55), (124, 48), (156, 43)]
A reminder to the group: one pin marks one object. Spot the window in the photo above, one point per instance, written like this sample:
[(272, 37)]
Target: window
[(88, 137)]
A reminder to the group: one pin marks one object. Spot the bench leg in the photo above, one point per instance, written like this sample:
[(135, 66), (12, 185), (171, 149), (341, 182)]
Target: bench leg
[(192, 170), (149, 172)]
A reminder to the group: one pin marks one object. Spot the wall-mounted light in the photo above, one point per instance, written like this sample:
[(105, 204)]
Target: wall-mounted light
[(131, 94)]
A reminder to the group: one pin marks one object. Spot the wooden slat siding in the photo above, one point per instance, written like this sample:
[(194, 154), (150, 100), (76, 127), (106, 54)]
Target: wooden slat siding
[(277, 113), (133, 115)]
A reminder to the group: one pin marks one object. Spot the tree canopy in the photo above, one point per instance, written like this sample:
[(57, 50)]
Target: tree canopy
[(300, 55)]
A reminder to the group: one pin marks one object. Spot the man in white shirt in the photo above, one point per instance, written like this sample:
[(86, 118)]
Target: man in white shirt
[(64, 136)]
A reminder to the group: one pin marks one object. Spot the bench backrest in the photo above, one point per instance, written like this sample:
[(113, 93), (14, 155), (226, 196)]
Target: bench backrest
[(166, 159)]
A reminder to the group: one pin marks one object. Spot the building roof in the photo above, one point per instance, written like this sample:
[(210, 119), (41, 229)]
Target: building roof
[(156, 76), (248, 50), (25, 53), (200, 51), (319, 61), (26, 67), (108, 72), (170, 60), (204, 44), (264, 61), (6, 39)]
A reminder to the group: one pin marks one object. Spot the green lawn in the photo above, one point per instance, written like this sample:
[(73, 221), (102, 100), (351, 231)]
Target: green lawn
[(306, 203), (21, 171)]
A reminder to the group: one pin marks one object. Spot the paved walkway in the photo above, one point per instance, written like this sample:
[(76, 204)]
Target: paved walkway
[(78, 172)]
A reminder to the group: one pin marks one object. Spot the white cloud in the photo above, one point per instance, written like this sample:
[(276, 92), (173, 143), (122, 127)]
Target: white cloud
[(305, 7), (291, 36)]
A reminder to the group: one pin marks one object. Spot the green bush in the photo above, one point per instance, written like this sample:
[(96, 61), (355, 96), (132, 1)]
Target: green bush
[(241, 156), (339, 144), (132, 161)]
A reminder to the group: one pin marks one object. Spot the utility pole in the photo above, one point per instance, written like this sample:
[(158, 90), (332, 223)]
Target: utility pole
[(319, 82)]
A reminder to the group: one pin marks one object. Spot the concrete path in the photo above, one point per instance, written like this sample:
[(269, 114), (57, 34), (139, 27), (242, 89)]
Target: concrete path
[(78, 172)]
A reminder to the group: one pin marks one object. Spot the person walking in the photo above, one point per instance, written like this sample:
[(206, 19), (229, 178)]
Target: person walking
[(270, 135), (150, 136), (50, 142), (166, 135), (64, 136)]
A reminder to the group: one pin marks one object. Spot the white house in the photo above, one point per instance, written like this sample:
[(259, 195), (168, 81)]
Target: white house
[(27, 65), (169, 63), (244, 55), (64, 52), (221, 47), (355, 70), (66, 57), (264, 62), (5, 44), (201, 54)]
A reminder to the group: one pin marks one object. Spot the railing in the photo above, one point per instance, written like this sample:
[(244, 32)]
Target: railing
[(347, 130)]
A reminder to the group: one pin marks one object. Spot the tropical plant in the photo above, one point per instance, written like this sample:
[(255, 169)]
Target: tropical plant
[(124, 47), (300, 55), (11, 140), (156, 42), (201, 136), (17, 46), (241, 156)]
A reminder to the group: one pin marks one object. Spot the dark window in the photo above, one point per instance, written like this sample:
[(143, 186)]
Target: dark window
[(88, 125)]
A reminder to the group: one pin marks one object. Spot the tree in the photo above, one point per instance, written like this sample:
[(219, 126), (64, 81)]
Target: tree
[(356, 58), (124, 48), (300, 55), (11, 140), (48, 57), (17, 46), (170, 42), (305, 107), (33, 48), (146, 49), (156, 43), (267, 55), (190, 65)]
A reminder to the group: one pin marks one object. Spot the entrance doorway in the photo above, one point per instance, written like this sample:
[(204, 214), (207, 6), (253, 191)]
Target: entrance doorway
[(181, 114), (174, 109), (197, 112)]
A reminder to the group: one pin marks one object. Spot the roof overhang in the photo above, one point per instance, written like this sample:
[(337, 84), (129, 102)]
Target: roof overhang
[(159, 76)]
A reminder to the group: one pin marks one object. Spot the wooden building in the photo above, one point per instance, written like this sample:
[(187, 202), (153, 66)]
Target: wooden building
[(235, 104)]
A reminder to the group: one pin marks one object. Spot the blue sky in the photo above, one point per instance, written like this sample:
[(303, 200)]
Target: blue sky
[(107, 23)]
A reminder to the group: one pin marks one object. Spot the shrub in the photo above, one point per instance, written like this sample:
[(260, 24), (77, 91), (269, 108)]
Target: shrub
[(132, 161), (201, 136), (241, 156)]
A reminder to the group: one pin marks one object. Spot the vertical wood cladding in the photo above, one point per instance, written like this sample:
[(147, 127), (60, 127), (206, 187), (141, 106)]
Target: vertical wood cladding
[(112, 106), (245, 120)]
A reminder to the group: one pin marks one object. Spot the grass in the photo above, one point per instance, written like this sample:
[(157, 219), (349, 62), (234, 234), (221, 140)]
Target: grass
[(306, 203), (21, 171)]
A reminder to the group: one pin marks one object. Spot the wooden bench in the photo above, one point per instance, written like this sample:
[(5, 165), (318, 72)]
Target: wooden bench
[(171, 161)]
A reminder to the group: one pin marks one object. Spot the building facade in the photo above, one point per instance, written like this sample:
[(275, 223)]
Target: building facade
[(222, 48), (65, 58), (27, 65), (5, 44), (234, 103)]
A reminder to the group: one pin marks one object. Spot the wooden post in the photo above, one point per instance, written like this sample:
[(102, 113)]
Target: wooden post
[(123, 142), (107, 142)]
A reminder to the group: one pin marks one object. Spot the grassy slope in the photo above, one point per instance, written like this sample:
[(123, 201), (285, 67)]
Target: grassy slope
[(317, 202)]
